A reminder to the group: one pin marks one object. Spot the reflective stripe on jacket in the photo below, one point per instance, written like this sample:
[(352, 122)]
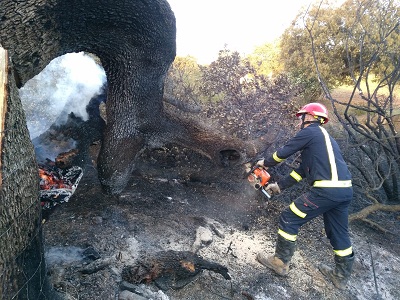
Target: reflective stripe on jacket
[(321, 160)]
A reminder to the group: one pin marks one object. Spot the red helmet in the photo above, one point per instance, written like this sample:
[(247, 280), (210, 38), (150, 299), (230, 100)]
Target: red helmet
[(315, 109)]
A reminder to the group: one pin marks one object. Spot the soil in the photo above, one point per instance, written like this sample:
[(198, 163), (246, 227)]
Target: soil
[(177, 200)]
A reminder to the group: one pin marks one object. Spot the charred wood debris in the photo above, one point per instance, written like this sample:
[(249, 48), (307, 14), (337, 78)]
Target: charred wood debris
[(60, 177)]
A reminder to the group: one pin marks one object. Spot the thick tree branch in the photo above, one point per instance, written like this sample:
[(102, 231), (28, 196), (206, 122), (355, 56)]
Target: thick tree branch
[(365, 212)]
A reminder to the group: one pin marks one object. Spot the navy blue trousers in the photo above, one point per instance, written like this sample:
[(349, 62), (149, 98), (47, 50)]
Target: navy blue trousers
[(312, 204)]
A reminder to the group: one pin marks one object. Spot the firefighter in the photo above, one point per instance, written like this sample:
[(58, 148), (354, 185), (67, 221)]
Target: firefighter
[(330, 194)]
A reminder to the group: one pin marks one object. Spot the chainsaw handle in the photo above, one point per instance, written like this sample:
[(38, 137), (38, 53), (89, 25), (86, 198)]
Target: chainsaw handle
[(255, 167), (253, 164), (247, 174)]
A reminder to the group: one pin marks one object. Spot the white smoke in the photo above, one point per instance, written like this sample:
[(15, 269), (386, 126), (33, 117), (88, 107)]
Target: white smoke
[(66, 85), (63, 255)]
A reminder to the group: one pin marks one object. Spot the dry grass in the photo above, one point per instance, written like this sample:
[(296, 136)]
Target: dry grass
[(344, 93)]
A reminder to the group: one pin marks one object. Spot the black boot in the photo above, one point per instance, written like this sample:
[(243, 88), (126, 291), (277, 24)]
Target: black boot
[(283, 254), (341, 274)]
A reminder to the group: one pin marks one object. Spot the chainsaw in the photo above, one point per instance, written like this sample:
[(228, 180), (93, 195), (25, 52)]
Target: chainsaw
[(259, 177)]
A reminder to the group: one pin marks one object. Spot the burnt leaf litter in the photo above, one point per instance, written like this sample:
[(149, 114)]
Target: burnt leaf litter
[(185, 228)]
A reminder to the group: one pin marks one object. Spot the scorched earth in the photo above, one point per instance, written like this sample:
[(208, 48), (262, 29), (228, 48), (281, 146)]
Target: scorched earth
[(176, 203)]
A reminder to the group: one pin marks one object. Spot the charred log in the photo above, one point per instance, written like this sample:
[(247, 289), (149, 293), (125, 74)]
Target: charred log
[(171, 269)]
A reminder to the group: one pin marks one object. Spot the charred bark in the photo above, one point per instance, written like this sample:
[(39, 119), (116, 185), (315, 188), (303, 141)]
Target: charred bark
[(22, 267), (135, 41)]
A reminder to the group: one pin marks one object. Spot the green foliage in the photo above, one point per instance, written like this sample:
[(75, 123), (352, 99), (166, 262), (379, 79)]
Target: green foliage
[(225, 75), (266, 59), (310, 87), (184, 79), (337, 36), (298, 48), (371, 37), (235, 97)]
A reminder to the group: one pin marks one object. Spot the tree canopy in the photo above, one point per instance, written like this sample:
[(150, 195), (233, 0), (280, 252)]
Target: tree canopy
[(340, 35)]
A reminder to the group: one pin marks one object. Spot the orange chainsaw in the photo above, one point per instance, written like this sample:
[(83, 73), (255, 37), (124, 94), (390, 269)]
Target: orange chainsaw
[(259, 177)]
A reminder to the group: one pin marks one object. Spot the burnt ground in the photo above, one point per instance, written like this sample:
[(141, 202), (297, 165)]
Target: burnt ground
[(179, 201)]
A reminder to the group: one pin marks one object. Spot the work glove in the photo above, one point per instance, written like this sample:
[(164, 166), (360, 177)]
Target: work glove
[(260, 162), (273, 188), (247, 167)]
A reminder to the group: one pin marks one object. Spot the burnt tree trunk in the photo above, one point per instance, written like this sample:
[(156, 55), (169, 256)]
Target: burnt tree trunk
[(22, 267), (135, 41)]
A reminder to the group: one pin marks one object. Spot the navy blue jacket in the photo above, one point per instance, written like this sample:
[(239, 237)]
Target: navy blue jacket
[(322, 163)]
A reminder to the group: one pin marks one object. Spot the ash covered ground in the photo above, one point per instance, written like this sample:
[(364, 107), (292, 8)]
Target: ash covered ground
[(177, 200)]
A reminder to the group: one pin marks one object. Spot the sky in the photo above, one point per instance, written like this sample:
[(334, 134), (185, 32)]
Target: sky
[(205, 26)]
